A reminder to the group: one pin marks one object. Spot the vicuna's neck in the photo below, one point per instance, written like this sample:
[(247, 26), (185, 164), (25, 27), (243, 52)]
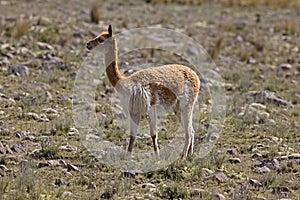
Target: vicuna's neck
[(111, 63)]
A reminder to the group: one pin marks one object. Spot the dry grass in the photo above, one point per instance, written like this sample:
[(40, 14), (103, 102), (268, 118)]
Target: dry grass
[(21, 28), (95, 14)]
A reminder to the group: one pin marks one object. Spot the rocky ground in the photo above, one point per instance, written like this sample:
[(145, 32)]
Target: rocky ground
[(256, 51)]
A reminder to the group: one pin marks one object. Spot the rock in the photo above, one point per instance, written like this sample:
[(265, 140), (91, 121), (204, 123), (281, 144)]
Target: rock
[(67, 148), (43, 164), (6, 100), (261, 170), (296, 187), (284, 67), (50, 111), (72, 167), (67, 194), (54, 163), (219, 176), (251, 61), (234, 160), (18, 148), (19, 70), (272, 164), (92, 186), (44, 21), (73, 131), (32, 115), (259, 197), (232, 151), (269, 97), (132, 173), (282, 191), (4, 168), (220, 197), (44, 46), (256, 155), (21, 134), (255, 183), (257, 106), (64, 163), (148, 185), (30, 138)]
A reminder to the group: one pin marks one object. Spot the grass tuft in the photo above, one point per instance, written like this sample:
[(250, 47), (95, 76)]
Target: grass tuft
[(95, 14), (21, 28)]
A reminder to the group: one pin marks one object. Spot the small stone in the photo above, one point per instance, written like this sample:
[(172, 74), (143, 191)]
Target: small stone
[(269, 97), (257, 106), (72, 167), (285, 67), (132, 173), (30, 138), (18, 148), (19, 70), (21, 134), (67, 148), (43, 164), (64, 163), (44, 46), (259, 197), (54, 162), (251, 61), (255, 183), (234, 160), (272, 164), (282, 191), (148, 185), (220, 197), (69, 174), (67, 194), (4, 168), (294, 156), (219, 176), (32, 115), (92, 186), (256, 155), (50, 111), (232, 151), (44, 21), (261, 170)]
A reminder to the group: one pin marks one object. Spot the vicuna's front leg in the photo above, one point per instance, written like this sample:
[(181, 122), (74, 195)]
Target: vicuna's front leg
[(153, 128), (134, 123)]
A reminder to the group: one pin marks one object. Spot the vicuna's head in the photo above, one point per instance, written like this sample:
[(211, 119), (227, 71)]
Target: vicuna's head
[(106, 37)]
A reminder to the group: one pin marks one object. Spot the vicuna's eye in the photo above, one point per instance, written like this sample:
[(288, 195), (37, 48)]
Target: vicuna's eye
[(100, 40)]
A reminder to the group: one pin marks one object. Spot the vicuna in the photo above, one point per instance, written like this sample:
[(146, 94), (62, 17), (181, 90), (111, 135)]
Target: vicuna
[(173, 86)]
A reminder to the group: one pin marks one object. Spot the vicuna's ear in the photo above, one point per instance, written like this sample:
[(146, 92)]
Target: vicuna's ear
[(109, 30)]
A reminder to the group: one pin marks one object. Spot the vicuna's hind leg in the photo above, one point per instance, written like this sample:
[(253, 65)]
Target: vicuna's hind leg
[(186, 121), (153, 131), (134, 123)]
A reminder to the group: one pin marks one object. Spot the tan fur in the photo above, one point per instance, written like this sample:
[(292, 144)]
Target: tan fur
[(173, 86)]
